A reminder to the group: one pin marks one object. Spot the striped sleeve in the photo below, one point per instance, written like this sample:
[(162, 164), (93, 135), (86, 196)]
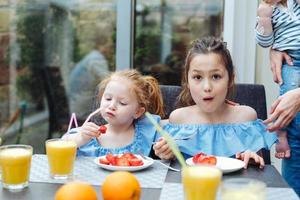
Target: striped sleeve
[(264, 40)]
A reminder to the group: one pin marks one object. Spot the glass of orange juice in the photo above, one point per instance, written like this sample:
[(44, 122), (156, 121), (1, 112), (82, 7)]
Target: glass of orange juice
[(201, 182), (15, 161), (243, 188), (61, 156)]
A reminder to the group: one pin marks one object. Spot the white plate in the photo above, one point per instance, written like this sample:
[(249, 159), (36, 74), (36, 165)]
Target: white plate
[(225, 164), (147, 163)]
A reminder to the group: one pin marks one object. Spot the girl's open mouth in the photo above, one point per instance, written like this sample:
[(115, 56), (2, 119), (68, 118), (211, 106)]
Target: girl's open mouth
[(208, 98)]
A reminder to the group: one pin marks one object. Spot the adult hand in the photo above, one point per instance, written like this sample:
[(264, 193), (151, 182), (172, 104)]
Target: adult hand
[(276, 59), (283, 110), (163, 150), (248, 155)]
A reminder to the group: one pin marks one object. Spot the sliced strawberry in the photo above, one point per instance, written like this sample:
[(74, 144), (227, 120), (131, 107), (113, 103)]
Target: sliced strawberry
[(210, 160), (103, 161), (111, 158), (136, 162), (122, 161), (197, 157), (128, 156), (102, 129)]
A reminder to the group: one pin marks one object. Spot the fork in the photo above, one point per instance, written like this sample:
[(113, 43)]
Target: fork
[(163, 164)]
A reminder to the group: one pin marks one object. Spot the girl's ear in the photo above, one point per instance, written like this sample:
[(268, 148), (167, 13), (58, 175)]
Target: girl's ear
[(139, 112)]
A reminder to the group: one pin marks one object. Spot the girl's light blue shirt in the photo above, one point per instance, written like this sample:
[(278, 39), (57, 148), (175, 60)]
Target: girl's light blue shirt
[(222, 139), (145, 135)]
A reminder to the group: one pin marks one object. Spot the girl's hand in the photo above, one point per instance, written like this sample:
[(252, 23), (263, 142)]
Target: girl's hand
[(162, 150), (247, 155), (265, 10), (89, 130)]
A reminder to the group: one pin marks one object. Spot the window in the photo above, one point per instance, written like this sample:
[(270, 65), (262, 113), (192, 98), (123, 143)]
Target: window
[(47, 40), (164, 30)]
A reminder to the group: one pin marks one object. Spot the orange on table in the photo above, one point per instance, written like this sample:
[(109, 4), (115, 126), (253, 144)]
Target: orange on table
[(76, 191), (121, 185)]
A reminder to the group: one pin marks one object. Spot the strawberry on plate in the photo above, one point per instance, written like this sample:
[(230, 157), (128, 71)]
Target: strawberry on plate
[(198, 156), (122, 161), (202, 158), (125, 161), (104, 161), (111, 158), (136, 162), (128, 155)]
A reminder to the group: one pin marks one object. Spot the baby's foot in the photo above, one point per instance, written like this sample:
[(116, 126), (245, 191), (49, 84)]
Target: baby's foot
[(282, 148)]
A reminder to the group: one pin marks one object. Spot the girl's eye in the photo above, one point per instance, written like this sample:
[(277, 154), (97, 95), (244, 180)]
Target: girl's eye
[(216, 77), (107, 98), (197, 77), (123, 103)]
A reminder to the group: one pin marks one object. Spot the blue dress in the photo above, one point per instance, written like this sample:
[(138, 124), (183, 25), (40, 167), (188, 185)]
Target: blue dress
[(145, 135), (222, 139)]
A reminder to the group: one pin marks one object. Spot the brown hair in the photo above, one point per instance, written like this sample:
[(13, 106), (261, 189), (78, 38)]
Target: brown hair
[(146, 89), (206, 45)]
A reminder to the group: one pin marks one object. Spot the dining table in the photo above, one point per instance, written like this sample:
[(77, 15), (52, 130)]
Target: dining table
[(157, 182)]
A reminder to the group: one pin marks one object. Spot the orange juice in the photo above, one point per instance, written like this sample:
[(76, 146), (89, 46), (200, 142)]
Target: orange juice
[(61, 156), (201, 182), (15, 163)]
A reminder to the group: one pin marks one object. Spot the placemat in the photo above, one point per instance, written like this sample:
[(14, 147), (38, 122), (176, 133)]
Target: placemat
[(174, 191), (86, 170)]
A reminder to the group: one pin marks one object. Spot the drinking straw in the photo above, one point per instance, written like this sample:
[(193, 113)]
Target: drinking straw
[(73, 118), (91, 115), (169, 139)]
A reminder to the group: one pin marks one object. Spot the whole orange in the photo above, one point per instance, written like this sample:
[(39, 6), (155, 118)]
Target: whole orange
[(76, 191), (121, 185)]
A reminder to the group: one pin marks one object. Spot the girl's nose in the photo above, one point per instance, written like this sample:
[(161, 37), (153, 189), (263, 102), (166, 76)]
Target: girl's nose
[(112, 105), (207, 86)]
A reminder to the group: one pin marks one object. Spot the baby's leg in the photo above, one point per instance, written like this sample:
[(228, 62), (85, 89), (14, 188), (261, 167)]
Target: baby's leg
[(282, 147)]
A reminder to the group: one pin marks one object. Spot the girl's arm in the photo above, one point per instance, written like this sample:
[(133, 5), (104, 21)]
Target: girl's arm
[(83, 134), (264, 29), (247, 155)]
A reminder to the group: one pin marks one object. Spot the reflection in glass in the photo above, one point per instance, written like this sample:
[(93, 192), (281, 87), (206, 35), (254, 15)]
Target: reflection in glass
[(165, 28), (41, 43)]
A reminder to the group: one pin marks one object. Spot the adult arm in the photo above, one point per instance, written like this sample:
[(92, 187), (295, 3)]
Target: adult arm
[(283, 110)]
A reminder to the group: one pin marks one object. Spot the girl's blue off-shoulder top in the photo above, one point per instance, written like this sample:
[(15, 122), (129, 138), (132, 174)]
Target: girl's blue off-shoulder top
[(222, 139), (145, 135)]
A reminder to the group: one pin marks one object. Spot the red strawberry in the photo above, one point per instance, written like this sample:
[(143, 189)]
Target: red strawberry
[(122, 161), (103, 161), (210, 160), (198, 157), (128, 156), (102, 129), (111, 158), (136, 162)]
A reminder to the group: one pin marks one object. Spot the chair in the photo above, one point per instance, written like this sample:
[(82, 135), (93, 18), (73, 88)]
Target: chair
[(252, 95), (245, 94), (169, 94), (56, 99)]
